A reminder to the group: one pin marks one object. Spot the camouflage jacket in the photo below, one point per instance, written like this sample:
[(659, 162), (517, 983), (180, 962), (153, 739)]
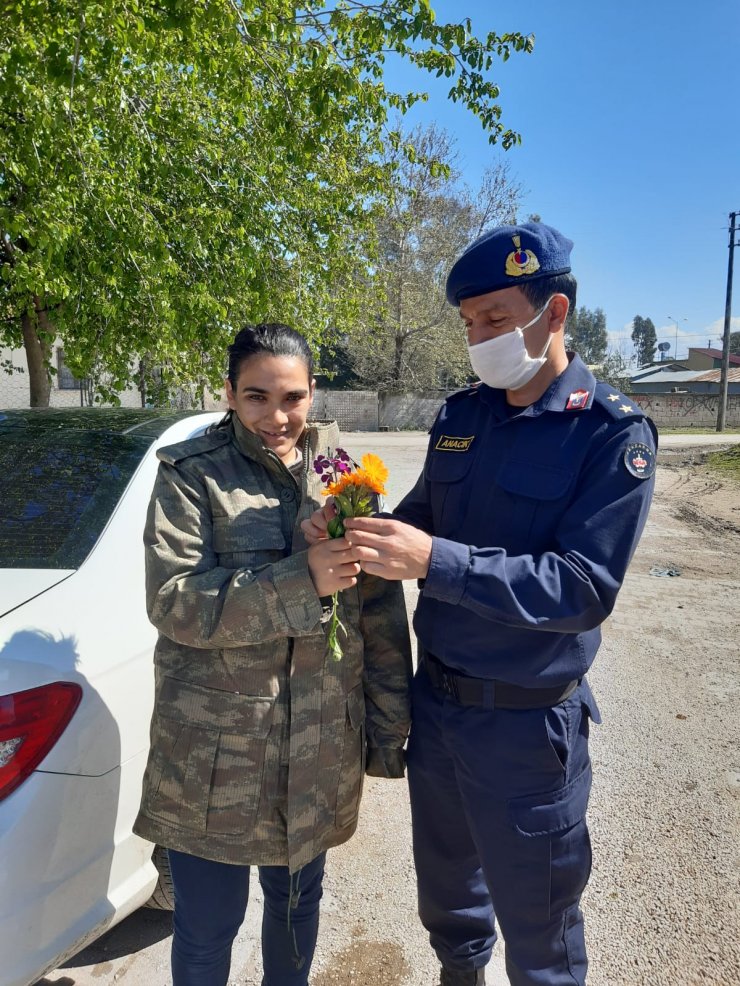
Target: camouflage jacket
[(259, 741)]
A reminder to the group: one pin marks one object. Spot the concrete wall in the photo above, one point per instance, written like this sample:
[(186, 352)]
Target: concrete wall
[(399, 412), (365, 410), (687, 410), (353, 410)]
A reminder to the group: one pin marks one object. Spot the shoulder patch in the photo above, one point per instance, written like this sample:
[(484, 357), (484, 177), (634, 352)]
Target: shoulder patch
[(639, 460), (616, 404), (172, 454)]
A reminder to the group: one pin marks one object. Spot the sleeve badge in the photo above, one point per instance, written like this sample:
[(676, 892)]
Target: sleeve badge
[(640, 460)]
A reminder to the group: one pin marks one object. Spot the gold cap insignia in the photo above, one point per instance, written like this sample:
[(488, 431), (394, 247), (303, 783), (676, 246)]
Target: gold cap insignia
[(520, 261)]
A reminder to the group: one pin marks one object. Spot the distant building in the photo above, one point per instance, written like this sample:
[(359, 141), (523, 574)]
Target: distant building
[(698, 373), (707, 359), (66, 389)]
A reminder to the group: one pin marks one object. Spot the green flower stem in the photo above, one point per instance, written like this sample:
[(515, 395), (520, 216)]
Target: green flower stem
[(335, 648), (354, 503)]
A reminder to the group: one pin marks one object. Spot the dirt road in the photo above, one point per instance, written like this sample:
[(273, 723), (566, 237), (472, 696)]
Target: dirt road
[(662, 905)]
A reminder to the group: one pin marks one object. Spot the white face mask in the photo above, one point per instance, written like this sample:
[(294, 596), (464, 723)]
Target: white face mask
[(503, 362)]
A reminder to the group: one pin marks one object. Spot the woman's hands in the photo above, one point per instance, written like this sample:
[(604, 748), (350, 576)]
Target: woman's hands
[(314, 529), (388, 548), (332, 563)]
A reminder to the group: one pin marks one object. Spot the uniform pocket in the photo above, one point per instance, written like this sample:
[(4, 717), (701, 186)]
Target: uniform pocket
[(445, 471), (556, 842), (533, 499), (448, 466), (208, 753), (553, 811), (535, 480), (351, 777), (252, 539), (558, 725)]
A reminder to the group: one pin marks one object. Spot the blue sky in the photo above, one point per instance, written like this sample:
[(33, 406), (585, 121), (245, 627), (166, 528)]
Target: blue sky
[(629, 112)]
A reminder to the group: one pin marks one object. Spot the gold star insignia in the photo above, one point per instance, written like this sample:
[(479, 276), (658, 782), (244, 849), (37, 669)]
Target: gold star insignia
[(625, 408), (614, 397)]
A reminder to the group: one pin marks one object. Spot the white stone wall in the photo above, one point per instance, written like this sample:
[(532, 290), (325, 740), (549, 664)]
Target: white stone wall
[(687, 410)]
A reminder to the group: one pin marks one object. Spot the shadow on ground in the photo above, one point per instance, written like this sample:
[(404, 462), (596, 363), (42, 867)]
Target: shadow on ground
[(139, 930)]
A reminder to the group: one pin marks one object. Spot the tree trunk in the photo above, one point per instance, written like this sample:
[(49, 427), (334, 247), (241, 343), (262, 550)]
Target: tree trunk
[(38, 353), (142, 382), (398, 359)]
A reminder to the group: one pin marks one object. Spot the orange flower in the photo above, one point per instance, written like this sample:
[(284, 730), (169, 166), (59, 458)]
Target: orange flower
[(372, 475), (344, 482), (374, 472)]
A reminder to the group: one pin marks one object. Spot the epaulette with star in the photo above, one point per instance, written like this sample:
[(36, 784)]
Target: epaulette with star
[(616, 403)]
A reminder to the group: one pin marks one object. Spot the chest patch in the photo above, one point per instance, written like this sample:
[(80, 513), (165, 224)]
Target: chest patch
[(639, 460), (452, 443)]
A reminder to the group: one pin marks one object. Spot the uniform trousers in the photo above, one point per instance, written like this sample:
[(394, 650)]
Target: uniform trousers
[(210, 904), (498, 803)]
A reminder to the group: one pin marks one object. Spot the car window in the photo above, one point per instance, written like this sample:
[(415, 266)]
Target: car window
[(57, 489)]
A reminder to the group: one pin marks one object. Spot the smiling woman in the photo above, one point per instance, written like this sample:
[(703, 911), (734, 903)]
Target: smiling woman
[(271, 390), (259, 741)]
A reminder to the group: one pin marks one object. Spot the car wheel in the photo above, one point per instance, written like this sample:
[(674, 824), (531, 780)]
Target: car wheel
[(163, 897)]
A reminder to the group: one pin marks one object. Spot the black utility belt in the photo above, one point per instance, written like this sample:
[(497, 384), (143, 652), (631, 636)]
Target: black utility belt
[(491, 693)]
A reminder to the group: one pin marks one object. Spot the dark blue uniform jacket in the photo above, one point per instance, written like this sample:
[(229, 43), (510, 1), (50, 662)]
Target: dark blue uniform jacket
[(535, 514)]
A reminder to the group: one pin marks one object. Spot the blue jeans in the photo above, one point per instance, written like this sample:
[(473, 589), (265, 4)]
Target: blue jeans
[(210, 904)]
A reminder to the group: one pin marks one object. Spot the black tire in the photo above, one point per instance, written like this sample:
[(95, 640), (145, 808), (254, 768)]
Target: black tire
[(163, 898)]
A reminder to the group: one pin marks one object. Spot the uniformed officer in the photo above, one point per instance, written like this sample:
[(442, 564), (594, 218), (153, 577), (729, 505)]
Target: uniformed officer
[(534, 493)]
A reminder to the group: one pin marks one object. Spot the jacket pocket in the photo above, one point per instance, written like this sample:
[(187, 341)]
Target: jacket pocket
[(207, 759), (352, 772), (532, 501), (448, 467), (532, 479), (554, 811), (448, 493), (252, 539)]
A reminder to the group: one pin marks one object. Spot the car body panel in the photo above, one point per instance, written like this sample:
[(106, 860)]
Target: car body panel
[(18, 585), (72, 865)]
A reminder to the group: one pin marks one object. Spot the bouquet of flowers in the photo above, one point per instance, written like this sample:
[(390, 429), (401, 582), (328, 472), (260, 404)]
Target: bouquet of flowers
[(353, 488)]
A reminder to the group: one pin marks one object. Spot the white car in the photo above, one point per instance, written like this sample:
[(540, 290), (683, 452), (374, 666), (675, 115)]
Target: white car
[(76, 675)]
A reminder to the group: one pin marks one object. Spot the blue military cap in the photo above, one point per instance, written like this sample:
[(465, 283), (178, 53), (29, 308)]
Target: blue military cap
[(507, 256)]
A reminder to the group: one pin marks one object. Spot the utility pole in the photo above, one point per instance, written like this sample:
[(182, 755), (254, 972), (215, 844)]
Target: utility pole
[(724, 375)]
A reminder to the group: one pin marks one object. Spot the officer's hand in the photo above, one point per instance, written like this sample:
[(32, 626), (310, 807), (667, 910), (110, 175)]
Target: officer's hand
[(389, 548), (333, 565), (314, 529)]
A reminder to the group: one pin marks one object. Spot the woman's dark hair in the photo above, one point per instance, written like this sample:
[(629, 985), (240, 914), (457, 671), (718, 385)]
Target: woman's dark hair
[(267, 339), (539, 291)]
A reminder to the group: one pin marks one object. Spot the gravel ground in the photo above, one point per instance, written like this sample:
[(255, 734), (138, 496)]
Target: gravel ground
[(662, 904)]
